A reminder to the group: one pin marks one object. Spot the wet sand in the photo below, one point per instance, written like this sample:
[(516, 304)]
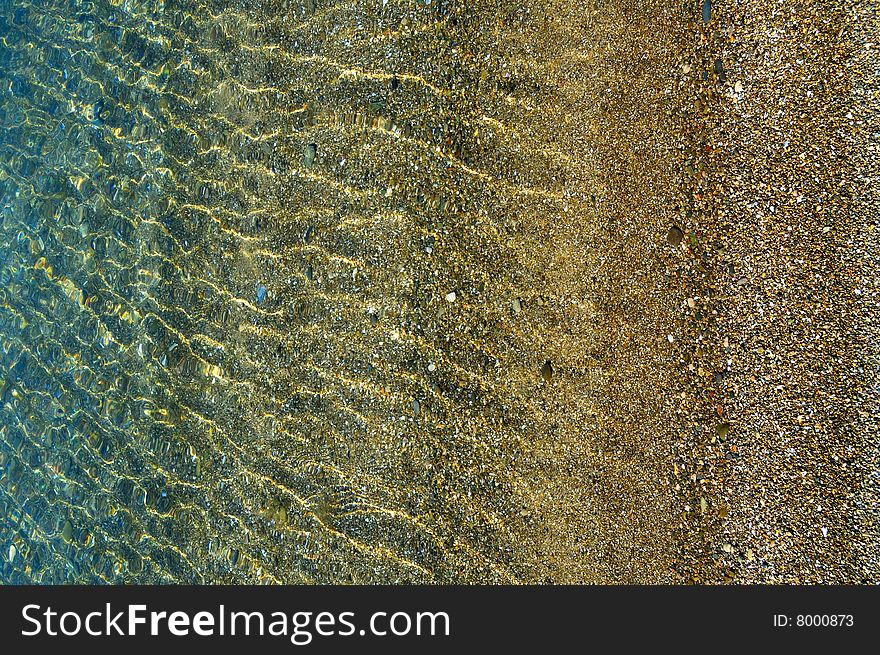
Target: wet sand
[(485, 292), (797, 216)]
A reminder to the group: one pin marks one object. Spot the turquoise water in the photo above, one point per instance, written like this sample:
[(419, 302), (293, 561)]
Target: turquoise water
[(97, 148)]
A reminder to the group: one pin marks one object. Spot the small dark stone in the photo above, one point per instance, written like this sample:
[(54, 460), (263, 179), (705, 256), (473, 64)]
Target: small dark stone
[(261, 294), (707, 10), (719, 70), (674, 236), (309, 154), (547, 371), (309, 272)]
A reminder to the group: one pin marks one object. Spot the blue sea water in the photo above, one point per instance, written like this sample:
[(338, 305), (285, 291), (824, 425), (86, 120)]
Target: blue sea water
[(97, 146)]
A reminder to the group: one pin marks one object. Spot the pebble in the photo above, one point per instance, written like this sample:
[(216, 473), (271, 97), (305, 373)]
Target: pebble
[(674, 236), (12, 552), (309, 154), (432, 367), (517, 306), (547, 371), (450, 297), (707, 10), (261, 294)]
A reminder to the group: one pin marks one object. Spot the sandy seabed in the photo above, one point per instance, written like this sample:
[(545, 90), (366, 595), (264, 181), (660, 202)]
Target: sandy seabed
[(394, 291)]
